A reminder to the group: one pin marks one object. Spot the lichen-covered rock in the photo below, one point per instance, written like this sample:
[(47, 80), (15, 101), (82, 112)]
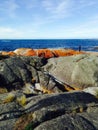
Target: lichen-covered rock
[(25, 52), (47, 53), (30, 108), (18, 71), (79, 71), (75, 110), (15, 71), (9, 111), (67, 122), (61, 111)]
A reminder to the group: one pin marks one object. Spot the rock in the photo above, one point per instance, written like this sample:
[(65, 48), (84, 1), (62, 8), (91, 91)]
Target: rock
[(92, 90), (9, 112), (24, 72), (25, 52), (3, 56), (58, 75), (38, 87), (92, 53), (31, 108), (77, 110), (7, 54), (46, 53), (16, 71), (28, 88), (65, 52), (79, 71), (67, 122), (50, 83)]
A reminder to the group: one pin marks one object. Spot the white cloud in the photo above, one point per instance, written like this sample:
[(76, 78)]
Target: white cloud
[(12, 33), (82, 5), (57, 8), (36, 17), (7, 32), (88, 29)]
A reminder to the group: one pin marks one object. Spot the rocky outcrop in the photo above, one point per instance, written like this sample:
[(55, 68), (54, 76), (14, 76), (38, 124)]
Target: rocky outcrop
[(18, 72), (76, 110), (55, 74), (47, 53), (40, 97), (79, 71)]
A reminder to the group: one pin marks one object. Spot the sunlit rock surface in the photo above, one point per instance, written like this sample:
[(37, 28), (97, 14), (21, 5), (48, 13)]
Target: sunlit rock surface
[(48, 90), (79, 70), (47, 53)]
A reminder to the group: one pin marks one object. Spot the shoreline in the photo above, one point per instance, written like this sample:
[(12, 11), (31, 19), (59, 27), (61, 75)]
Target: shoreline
[(48, 90), (46, 52)]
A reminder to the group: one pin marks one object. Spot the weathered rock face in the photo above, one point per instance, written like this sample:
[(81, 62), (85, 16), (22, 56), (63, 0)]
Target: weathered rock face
[(21, 110), (3, 56), (79, 71), (16, 71), (73, 111)]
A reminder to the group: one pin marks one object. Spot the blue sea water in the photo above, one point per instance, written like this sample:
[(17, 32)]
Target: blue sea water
[(86, 44)]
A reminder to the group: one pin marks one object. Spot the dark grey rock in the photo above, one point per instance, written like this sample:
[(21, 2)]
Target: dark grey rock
[(16, 71), (67, 122), (76, 110), (64, 111)]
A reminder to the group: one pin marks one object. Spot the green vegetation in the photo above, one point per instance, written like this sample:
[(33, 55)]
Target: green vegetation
[(29, 126)]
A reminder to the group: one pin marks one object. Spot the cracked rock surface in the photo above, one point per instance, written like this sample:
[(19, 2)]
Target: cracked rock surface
[(74, 110), (35, 93)]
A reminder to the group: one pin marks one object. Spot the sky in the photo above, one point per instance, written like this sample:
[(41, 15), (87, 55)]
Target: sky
[(48, 19)]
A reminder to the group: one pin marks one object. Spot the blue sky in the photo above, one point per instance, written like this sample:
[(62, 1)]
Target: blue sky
[(48, 19)]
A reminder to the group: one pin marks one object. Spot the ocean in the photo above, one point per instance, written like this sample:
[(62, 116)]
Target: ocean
[(86, 44)]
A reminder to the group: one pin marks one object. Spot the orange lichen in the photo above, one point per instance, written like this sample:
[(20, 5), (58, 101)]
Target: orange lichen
[(71, 88), (59, 52), (45, 90), (20, 50), (11, 53), (47, 53), (4, 53), (30, 52), (24, 51), (44, 53), (33, 80), (63, 52)]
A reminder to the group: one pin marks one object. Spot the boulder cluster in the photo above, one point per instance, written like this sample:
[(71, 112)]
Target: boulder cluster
[(39, 91)]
